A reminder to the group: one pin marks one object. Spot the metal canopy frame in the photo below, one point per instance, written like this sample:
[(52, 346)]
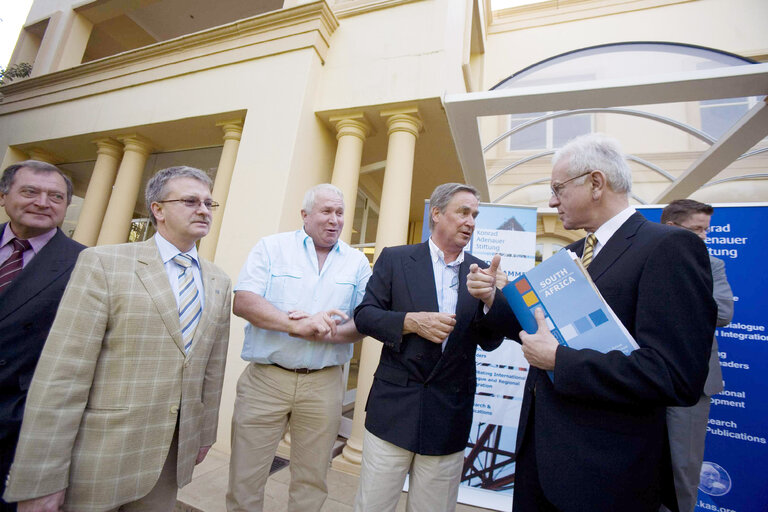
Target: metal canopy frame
[(464, 111)]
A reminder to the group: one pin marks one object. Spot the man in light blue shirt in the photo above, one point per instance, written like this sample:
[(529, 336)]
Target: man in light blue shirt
[(297, 290)]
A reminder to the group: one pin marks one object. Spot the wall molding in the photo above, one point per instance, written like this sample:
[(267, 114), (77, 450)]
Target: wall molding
[(308, 26)]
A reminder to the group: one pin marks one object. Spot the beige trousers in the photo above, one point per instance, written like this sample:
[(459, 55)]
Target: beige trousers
[(268, 397), (434, 479)]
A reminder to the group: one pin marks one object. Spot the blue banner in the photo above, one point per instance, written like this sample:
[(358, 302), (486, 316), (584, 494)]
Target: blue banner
[(733, 476)]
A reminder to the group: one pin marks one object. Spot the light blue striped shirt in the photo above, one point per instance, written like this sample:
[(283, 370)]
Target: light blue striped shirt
[(283, 269), (167, 252), (446, 279)]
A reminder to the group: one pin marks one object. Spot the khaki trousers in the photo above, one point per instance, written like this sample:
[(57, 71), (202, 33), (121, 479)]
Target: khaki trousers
[(434, 479), (268, 397)]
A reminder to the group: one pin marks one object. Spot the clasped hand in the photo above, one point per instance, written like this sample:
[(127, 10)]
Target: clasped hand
[(434, 327), (317, 327)]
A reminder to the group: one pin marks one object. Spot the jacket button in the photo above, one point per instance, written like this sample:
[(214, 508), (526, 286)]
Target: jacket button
[(2, 362), (419, 356), (174, 409)]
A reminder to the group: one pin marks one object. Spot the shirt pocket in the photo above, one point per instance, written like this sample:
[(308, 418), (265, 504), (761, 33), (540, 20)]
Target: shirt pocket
[(342, 293), (284, 287)]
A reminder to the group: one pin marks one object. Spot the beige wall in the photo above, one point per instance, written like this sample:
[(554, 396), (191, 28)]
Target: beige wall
[(397, 55), (402, 53)]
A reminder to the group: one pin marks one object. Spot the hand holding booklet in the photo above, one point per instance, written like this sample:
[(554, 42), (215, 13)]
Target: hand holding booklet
[(576, 313)]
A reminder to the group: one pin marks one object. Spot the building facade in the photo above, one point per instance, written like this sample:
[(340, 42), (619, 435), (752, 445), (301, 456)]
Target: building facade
[(271, 97)]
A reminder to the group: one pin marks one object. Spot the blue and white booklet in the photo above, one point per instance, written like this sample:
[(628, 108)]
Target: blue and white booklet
[(576, 313)]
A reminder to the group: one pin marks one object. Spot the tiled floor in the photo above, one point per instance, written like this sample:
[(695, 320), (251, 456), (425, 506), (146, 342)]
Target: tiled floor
[(208, 488)]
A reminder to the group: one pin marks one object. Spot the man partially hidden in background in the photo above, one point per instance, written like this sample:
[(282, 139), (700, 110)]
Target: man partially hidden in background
[(36, 260), (687, 426)]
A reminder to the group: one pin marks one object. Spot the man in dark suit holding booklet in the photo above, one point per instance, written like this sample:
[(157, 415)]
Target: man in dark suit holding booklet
[(592, 436)]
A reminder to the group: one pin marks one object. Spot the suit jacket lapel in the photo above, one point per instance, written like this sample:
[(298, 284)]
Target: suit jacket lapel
[(619, 242), (151, 272), (420, 279), (46, 267)]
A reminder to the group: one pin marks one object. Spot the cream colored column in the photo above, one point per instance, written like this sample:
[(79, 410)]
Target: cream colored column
[(351, 132), (233, 130), (122, 202), (64, 42), (108, 153), (403, 128)]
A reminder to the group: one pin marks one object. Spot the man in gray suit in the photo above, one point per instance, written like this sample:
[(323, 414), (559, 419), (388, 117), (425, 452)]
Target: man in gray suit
[(687, 426), (36, 260)]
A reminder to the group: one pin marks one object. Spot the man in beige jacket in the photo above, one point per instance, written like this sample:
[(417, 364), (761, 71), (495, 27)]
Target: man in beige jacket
[(125, 398)]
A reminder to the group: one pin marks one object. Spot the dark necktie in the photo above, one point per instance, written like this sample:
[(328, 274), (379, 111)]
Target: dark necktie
[(13, 265)]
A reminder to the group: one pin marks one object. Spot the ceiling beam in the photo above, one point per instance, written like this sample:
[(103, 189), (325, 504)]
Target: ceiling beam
[(748, 131), (464, 110)]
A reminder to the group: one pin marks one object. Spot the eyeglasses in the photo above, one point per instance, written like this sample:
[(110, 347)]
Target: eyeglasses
[(193, 202), (558, 189)]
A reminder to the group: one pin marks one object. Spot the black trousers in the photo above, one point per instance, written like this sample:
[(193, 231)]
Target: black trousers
[(7, 450), (529, 496)]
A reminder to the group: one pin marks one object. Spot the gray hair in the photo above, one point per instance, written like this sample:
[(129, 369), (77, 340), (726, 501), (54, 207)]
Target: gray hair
[(443, 194), (309, 197), (156, 185), (35, 166), (596, 151)]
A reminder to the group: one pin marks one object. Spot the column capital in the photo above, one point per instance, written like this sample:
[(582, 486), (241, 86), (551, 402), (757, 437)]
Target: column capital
[(42, 155), (403, 120), (109, 147), (353, 124), (136, 142), (233, 129)]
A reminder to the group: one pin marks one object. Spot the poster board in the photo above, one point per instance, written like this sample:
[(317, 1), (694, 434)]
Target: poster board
[(736, 449)]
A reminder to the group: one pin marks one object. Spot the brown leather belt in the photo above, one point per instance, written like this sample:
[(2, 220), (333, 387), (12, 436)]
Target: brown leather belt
[(303, 371)]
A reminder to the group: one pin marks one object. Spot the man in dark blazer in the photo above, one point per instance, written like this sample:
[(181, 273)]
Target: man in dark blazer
[(687, 426), (36, 259), (592, 436), (419, 410)]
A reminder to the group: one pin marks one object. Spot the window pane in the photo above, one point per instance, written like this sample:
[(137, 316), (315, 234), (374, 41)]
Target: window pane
[(532, 137), (717, 119), (528, 138), (566, 128), (370, 230)]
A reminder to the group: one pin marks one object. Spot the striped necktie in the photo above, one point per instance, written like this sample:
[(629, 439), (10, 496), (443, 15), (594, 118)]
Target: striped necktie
[(189, 300), (13, 266), (589, 249)]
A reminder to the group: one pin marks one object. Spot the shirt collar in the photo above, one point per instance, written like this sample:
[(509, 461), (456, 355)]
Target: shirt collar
[(168, 250), (607, 230), (37, 242), (306, 239), (438, 255)]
